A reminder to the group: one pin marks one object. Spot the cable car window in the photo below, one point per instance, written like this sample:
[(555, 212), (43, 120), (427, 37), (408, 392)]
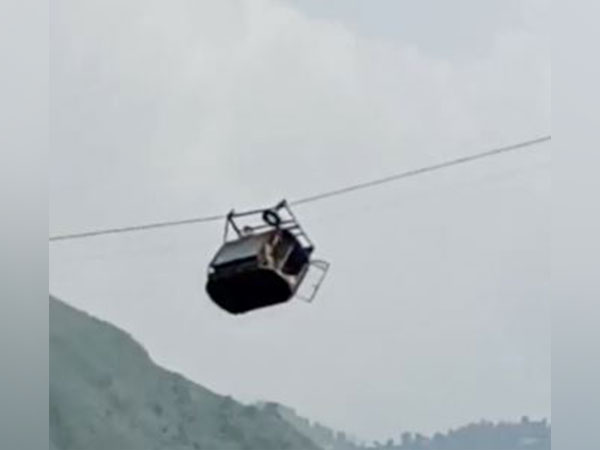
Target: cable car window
[(296, 261), (247, 247)]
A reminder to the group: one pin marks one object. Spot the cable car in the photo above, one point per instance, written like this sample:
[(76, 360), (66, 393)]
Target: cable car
[(264, 263)]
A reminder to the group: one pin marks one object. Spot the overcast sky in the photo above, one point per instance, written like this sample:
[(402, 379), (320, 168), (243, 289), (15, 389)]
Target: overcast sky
[(436, 311)]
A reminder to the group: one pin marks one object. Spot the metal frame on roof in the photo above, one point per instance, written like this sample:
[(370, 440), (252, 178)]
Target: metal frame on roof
[(241, 221)]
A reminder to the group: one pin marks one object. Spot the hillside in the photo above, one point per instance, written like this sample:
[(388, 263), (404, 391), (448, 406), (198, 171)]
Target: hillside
[(323, 436), (484, 435), (107, 394)]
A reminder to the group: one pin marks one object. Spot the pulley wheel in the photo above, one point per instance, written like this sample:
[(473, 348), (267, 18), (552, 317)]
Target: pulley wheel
[(272, 218)]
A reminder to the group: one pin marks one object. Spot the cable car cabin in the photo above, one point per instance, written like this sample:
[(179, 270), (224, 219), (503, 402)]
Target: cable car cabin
[(257, 270), (263, 266)]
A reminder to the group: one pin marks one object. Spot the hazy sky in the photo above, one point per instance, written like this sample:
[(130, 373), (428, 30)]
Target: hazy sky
[(436, 311)]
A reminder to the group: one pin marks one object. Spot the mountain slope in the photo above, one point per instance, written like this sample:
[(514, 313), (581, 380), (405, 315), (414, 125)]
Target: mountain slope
[(106, 394), (323, 436)]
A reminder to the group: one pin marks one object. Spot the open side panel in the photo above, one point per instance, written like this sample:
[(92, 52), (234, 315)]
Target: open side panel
[(313, 279)]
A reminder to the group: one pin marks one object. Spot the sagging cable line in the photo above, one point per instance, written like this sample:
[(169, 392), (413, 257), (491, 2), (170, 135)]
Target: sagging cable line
[(422, 170), (317, 197), (149, 226)]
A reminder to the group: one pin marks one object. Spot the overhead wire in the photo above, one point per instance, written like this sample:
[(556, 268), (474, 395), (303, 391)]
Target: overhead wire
[(317, 197), (422, 170), (129, 229)]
